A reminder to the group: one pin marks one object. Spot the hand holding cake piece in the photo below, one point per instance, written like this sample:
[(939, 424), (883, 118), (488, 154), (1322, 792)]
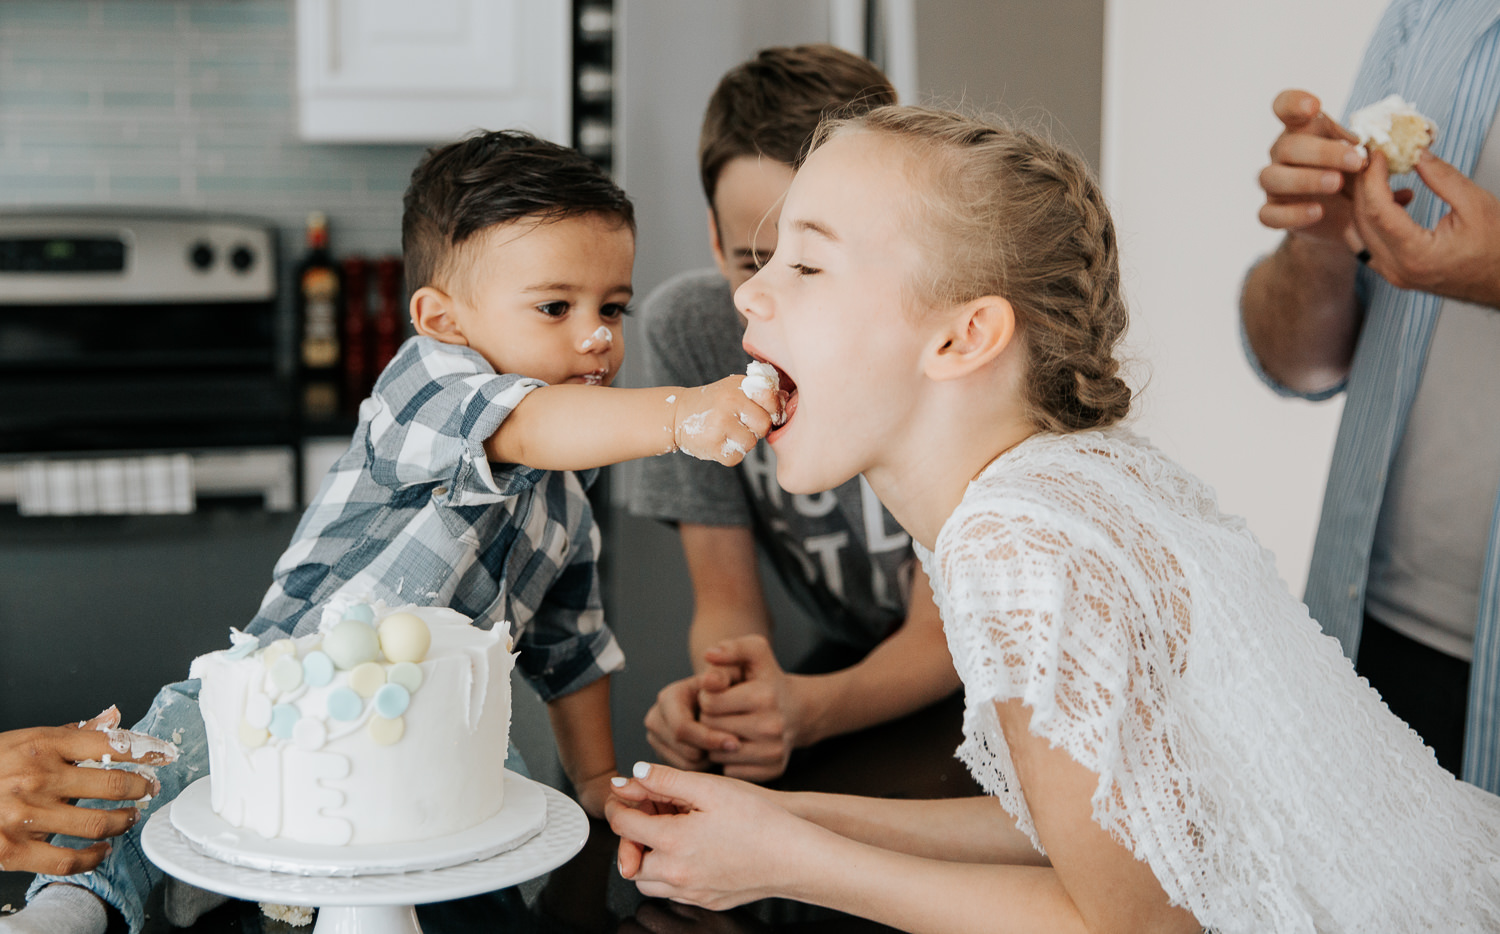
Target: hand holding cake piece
[(1397, 129), (723, 420)]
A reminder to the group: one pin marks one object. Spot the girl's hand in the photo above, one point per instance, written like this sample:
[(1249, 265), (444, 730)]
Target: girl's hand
[(702, 839), (718, 422)]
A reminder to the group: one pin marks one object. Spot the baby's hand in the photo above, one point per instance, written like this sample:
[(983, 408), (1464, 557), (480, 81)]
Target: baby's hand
[(720, 422)]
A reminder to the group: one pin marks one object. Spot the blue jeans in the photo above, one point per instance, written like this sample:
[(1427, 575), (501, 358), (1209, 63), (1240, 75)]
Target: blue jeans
[(126, 876)]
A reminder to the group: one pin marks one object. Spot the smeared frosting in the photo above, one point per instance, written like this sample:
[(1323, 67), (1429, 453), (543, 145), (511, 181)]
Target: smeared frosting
[(760, 378), (601, 335)]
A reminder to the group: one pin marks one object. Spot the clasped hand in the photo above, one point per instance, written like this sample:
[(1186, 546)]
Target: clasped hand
[(1319, 187), (741, 712), (40, 777)]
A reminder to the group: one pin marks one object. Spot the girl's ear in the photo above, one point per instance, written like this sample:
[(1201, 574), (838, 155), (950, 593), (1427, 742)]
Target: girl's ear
[(432, 314), (975, 334)]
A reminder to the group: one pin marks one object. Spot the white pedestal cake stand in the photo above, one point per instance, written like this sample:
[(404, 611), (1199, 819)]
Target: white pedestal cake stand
[(365, 894)]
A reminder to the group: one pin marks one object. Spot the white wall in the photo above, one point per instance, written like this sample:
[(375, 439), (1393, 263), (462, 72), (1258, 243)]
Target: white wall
[(1187, 125)]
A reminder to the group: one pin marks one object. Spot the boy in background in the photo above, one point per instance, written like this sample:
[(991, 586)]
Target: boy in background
[(841, 556), (458, 489)]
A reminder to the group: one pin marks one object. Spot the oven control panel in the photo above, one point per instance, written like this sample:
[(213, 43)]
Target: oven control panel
[(56, 257)]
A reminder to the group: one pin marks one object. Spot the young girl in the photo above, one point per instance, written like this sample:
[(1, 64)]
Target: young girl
[(1169, 741)]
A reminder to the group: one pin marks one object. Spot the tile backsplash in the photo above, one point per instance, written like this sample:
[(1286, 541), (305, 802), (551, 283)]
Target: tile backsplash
[(183, 105)]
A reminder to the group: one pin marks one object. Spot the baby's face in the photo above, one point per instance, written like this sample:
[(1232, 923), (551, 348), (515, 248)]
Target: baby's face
[(548, 300)]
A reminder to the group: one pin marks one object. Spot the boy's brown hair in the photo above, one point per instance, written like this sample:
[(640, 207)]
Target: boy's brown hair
[(464, 188), (771, 105)]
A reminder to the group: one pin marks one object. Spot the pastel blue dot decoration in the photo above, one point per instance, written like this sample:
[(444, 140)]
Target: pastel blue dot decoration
[(317, 669), (391, 701), (284, 718), (345, 704), (362, 612)]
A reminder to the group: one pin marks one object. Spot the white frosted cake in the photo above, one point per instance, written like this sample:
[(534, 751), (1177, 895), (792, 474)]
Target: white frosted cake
[(385, 726)]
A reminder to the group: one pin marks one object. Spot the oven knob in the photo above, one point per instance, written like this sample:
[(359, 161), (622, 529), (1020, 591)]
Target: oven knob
[(201, 255), (242, 259)]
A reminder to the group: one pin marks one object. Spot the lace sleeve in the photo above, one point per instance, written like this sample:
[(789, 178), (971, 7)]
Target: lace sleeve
[(1066, 615)]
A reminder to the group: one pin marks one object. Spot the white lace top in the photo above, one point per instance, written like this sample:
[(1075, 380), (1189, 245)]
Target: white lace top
[(1265, 784)]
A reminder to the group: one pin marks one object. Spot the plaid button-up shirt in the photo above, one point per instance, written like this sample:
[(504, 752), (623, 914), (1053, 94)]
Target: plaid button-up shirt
[(414, 512)]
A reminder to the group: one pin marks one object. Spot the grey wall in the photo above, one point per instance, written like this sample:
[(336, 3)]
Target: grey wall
[(186, 105), (1037, 62)]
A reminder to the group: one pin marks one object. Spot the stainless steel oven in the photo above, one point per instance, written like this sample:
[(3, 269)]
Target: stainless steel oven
[(149, 449)]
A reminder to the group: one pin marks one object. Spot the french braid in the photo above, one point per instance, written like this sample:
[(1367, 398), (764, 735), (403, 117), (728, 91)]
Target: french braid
[(1014, 215)]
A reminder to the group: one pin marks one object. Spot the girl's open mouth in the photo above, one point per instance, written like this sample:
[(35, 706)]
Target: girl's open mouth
[(788, 387)]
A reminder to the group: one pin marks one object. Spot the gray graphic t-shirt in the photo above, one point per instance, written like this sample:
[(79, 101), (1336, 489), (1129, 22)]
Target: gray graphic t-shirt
[(840, 553)]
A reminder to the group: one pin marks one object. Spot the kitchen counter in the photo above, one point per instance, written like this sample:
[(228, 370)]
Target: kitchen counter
[(909, 758)]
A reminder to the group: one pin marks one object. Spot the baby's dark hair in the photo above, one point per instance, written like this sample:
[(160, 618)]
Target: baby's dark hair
[(1007, 212), (467, 187), (771, 105)]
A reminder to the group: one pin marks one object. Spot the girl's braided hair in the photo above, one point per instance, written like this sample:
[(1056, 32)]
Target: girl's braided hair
[(1010, 213)]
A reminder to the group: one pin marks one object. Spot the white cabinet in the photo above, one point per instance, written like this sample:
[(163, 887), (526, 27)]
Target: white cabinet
[(432, 70)]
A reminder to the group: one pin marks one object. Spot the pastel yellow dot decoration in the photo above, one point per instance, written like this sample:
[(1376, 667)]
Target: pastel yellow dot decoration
[(404, 637)]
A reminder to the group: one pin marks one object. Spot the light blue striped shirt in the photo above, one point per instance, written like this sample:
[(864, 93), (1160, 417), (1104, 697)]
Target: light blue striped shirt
[(1444, 57)]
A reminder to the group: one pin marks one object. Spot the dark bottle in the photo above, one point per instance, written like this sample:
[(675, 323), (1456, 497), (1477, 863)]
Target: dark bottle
[(356, 333), (319, 299), (390, 311)]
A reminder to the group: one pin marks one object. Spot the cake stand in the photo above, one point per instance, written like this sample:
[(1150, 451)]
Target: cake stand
[(376, 901)]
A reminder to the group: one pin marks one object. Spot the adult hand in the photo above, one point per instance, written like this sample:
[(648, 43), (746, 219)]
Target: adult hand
[(673, 728), (1306, 184), (762, 709), (39, 776), (703, 839), (1459, 258)]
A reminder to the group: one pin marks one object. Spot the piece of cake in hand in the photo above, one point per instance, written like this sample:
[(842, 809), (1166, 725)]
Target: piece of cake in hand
[(1397, 129), (762, 383), (384, 726)]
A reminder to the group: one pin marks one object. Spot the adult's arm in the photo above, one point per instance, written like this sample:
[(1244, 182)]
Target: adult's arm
[(775, 712), (1299, 306)]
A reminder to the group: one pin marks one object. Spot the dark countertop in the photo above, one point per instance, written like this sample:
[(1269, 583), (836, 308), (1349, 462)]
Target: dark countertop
[(909, 758)]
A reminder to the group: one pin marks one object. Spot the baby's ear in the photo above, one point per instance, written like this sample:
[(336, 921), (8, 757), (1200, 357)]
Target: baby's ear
[(432, 314), (972, 335)]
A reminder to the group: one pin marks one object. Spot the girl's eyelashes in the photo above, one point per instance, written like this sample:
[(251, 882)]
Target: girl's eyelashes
[(802, 269), (553, 309), (615, 310)]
